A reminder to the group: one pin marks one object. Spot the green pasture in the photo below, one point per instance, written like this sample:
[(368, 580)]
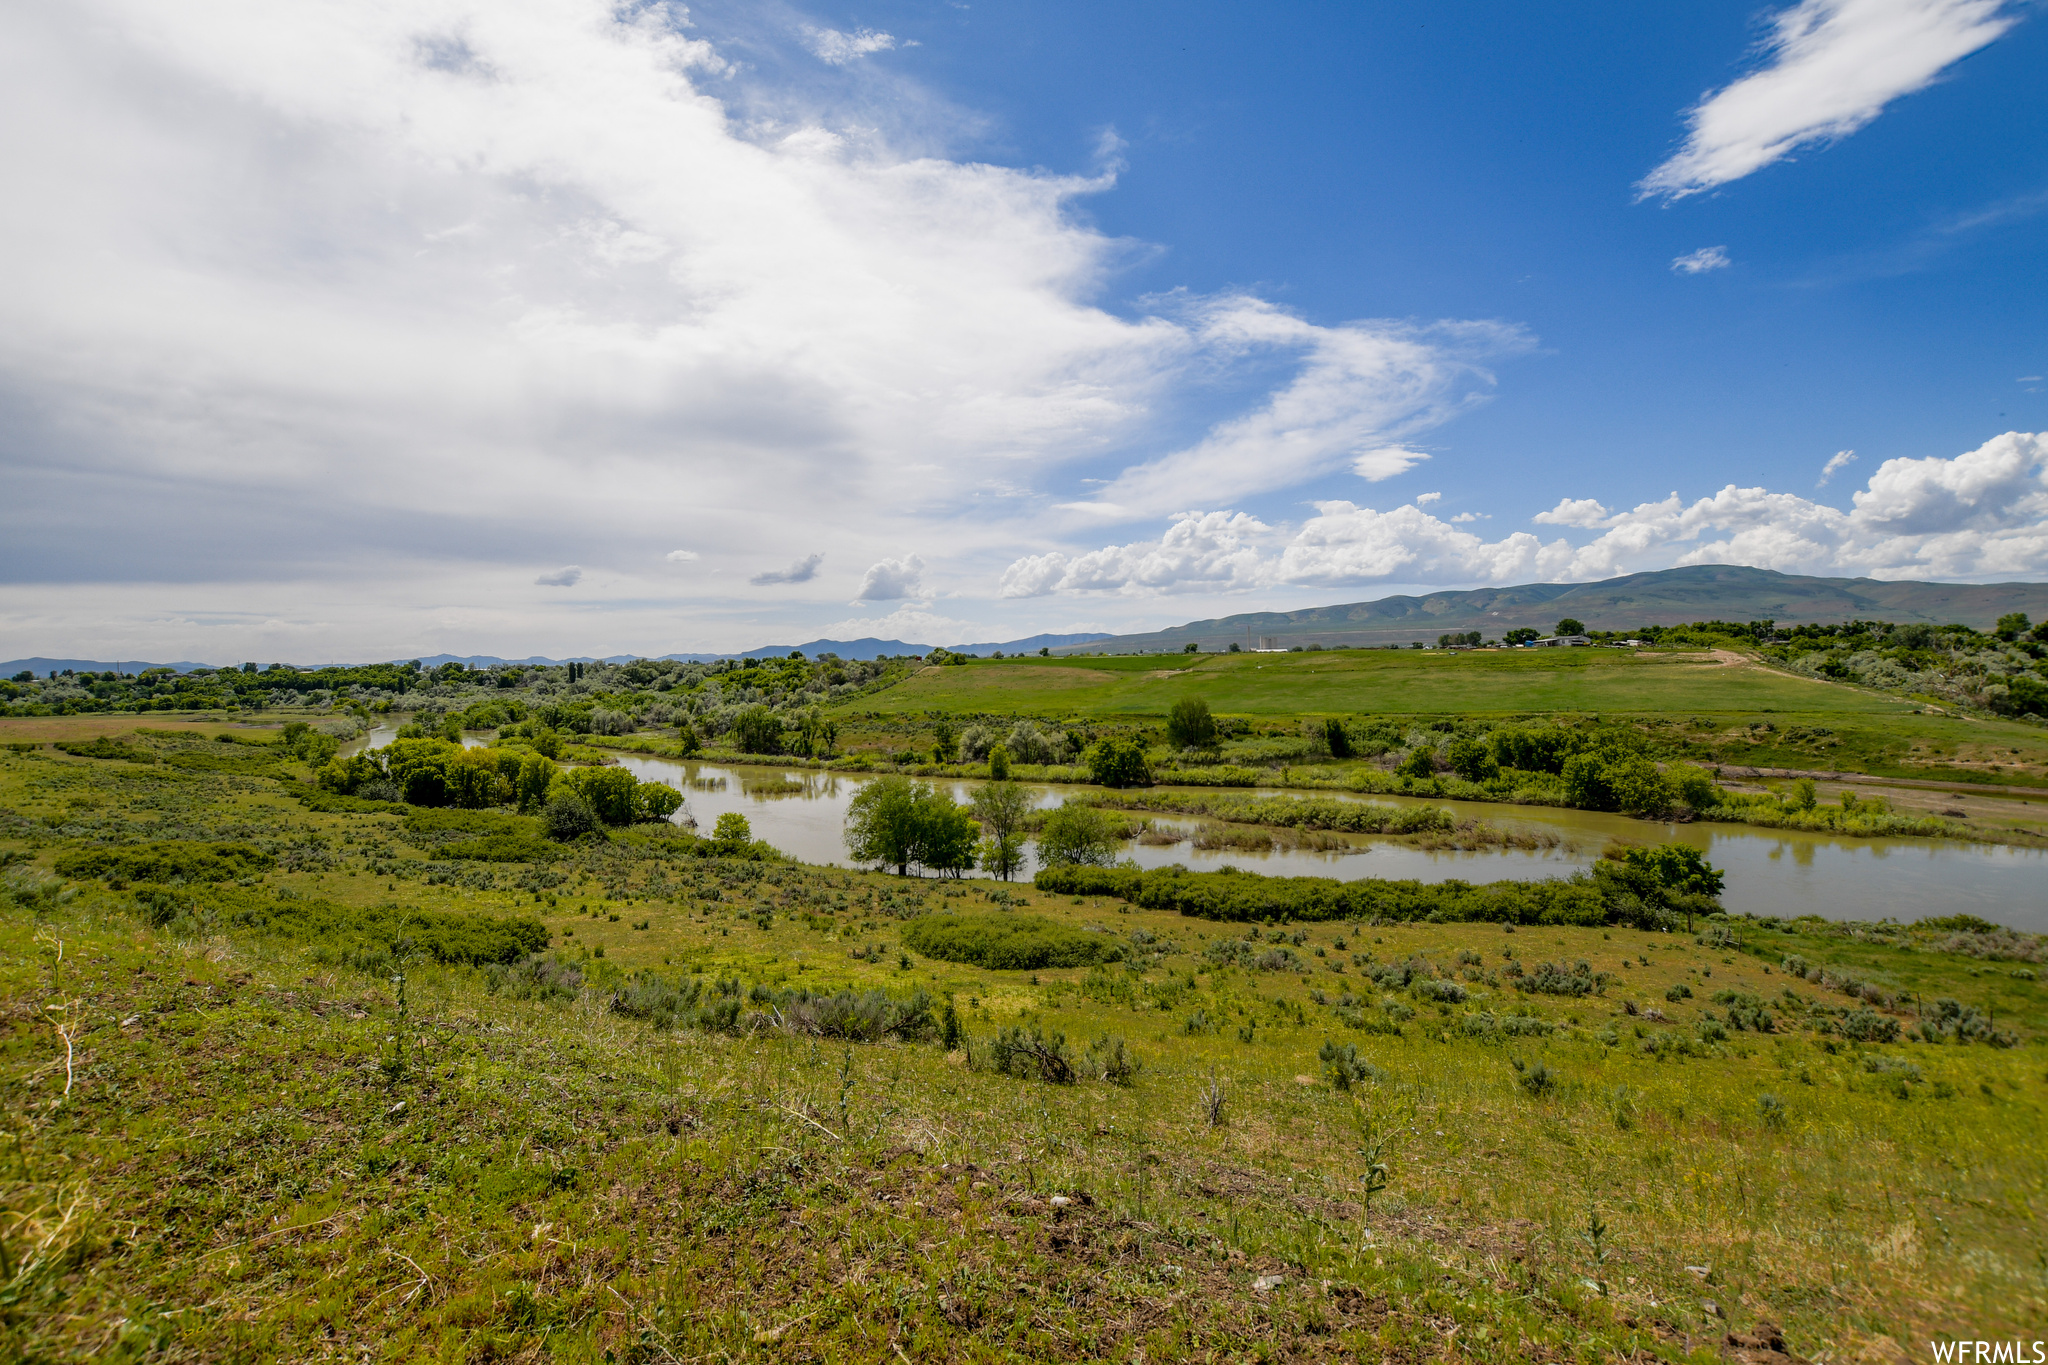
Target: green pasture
[(237, 1138), (1388, 682)]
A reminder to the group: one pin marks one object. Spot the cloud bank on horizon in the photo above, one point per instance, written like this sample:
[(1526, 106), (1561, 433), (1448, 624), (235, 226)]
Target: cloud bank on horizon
[(330, 327), (1981, 514)]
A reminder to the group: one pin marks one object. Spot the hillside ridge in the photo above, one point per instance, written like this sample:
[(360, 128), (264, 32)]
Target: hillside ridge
[(1661, 597)]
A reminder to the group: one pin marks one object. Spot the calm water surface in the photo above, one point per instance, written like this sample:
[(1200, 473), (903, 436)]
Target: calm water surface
[(1769, 872)]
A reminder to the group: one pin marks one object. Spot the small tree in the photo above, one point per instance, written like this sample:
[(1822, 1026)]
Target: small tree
[(945, 836), (656, 801), (1076, 834), (568, 815), (1001, 808), (945, 743), (1119, 763), (1336, 738), (2012, 625), (1421, 762), (999, 764), (758, 730), (1571, 625), (1189, 724), (1472, 758), (881, 823), (1521, 635)]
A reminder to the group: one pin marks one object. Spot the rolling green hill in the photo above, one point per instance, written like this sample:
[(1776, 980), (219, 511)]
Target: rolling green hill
[(1724, 592)]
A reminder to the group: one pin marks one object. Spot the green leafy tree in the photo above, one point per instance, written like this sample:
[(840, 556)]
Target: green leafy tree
[(530, 787), (881, 823), (732, 829), (473, 780), (1617, 780), (758, 730), (419, 768), (1336, 738), (547, 743), (2012, 625), (1471, 758), (946, 834), (1001, 808), (1571, 625), (1119, 763), (610, 792), (895, 821), (1421, 762), (945, 742), (1586, 783), (656, 801), (817, 736), (1076, 834), (1522, 635), (567, 815), (999, 764), (1189, 724), (1677, 868), (1695, 786)]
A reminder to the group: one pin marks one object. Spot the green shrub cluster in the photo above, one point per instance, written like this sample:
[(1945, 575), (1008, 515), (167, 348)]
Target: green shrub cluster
[(103, 747), (1231, 895), (725, 1006), (1008, 942), (171, 860), (371, 938)]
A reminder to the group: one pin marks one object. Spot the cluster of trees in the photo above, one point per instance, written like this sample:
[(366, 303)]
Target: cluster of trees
[(897, 822), (435, 772)]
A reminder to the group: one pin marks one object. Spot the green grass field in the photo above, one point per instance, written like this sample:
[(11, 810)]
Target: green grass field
[(1717, 708), (1391, 682), (225, 1145)]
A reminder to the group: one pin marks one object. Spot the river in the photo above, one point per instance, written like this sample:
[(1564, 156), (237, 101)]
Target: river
[(1769, 872)]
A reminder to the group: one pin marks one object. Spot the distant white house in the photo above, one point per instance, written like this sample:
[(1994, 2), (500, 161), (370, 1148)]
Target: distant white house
[(1565, 641)]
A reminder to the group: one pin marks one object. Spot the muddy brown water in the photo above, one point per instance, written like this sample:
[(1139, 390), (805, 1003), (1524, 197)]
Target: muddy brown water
[(802, 811)]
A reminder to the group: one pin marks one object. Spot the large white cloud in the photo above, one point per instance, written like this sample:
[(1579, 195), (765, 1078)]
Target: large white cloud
[(1830, 67), (1360, 388), (437, 296), (1981, 514)]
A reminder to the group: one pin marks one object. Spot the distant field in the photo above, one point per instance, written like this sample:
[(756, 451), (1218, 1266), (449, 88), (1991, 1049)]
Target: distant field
[(48, 729), (1378, 682)]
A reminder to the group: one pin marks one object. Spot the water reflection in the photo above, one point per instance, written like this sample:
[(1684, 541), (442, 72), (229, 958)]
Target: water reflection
[(802, 811)]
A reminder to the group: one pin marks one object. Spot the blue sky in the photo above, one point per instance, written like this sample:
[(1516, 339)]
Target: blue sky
[(339, 330)]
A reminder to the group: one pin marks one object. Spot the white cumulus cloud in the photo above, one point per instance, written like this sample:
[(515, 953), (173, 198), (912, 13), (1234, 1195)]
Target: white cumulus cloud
[(681, 556), (1837, 462), (1701, 261), (1828, 67), (1573, 512), (1980, 514), (311, 292), (890, 580)]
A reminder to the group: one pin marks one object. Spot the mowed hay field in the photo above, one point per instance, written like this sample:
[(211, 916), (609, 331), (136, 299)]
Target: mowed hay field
[(1432, 682), (230, 1143)]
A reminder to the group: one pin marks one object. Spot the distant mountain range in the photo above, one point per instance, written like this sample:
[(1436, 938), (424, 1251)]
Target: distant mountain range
[(863, 649), (1666, 597), (42, 667)]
